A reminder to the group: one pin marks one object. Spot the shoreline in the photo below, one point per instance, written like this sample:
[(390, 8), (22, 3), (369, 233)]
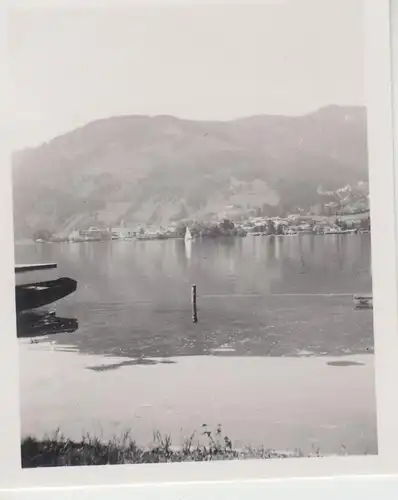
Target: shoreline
[(181, 238), (56, 450)]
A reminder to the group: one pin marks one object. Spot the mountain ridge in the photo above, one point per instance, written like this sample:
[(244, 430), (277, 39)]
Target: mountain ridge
[(159, 169)]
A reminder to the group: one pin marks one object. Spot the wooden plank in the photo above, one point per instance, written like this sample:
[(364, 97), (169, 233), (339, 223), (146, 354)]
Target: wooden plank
[(24, 268)]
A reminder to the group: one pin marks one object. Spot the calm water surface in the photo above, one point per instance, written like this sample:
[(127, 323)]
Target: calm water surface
[(263, 296)]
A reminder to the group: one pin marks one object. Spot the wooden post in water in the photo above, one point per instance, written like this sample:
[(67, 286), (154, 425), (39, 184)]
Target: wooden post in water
[(194, 308)]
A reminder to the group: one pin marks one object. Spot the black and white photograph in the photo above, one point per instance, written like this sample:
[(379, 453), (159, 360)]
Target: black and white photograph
[(192, 233)]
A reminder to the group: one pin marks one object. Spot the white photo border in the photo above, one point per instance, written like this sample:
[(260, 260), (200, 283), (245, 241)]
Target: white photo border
[(383, 184)]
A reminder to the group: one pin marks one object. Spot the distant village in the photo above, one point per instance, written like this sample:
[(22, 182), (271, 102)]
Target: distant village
[(292, 224)]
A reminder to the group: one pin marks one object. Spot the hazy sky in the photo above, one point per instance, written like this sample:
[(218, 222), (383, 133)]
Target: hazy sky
[(71, 66)]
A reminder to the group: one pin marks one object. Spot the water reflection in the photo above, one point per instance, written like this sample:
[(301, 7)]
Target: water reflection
[(278, 246), (44, 323), (188, 249), (271, 247), (134, 297), (180, 253)]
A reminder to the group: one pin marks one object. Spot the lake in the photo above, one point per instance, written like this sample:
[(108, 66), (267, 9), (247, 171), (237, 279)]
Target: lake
[(257, 296), (289, 360)]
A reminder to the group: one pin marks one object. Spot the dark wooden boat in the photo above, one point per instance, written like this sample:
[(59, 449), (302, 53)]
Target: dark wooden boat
[(34, 295)]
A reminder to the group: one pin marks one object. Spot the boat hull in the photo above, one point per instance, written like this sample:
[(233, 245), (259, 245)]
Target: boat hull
[(34, 295)]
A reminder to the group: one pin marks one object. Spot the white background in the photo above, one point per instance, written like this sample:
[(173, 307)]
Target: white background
[(371, 488), (363, 488)]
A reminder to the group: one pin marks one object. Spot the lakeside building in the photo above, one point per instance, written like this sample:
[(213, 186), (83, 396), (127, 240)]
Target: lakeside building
[(95, 233), (74, 235), (91, 234), (122, 233)]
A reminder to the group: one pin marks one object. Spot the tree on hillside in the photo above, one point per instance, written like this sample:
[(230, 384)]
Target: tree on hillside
[(341, 224), (227, 225), (42, 234), (181, 229), (365, 224), (271, 227)]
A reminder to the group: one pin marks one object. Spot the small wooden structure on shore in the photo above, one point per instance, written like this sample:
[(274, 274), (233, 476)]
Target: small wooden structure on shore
[(363, 301)]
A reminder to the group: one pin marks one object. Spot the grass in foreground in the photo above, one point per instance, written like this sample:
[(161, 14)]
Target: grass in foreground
[(60, 451)]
